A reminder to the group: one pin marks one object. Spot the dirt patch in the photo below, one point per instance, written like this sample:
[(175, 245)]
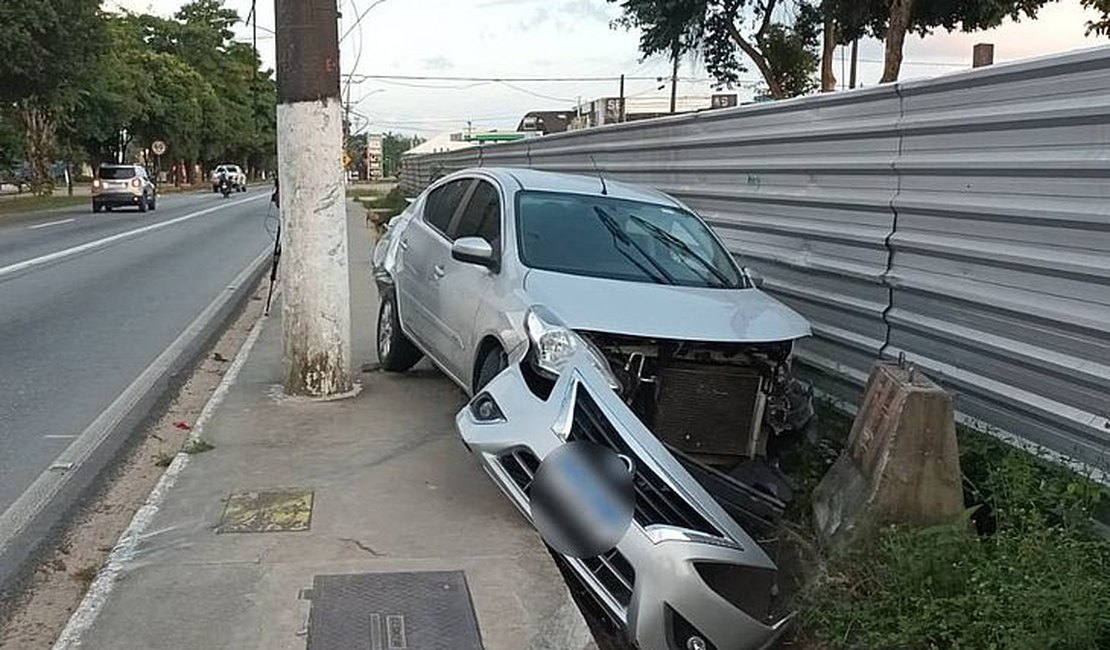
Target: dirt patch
[(59, 583)]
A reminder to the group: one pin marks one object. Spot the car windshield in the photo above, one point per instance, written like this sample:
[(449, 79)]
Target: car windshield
[(612, 238), (116, 173)]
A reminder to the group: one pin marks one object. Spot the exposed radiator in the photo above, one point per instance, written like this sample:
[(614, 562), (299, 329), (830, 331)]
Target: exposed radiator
[(710, 410)]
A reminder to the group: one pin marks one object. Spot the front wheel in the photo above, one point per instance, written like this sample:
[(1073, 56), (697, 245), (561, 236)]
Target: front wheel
[(396, 352)]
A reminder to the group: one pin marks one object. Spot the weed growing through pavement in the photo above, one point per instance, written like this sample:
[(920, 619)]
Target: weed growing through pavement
[(163, 459), (86, 574), (198, 446)]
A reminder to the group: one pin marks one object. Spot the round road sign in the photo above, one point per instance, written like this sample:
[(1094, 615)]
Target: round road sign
[(158, 147)]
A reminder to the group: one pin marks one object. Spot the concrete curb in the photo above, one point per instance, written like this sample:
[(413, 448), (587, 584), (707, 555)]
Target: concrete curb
[(84, 617), (56, 494)]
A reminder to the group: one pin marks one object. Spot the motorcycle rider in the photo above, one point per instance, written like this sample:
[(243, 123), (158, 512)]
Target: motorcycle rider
[(224, 180)]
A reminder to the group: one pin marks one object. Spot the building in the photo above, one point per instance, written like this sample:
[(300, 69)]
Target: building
[(546, 122), (441, 143), (612, 110)]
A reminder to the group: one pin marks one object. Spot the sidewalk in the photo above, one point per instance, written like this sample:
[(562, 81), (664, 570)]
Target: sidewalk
[(392, 489)]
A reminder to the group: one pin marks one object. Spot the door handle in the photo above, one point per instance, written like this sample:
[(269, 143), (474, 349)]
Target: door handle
[(405, 244), (438, 271)]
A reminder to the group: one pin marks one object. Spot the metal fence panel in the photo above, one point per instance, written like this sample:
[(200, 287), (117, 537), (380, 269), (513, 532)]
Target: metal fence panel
[(962, 221)]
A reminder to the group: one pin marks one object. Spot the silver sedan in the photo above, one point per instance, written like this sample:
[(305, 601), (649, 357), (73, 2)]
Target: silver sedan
[(580, 308)]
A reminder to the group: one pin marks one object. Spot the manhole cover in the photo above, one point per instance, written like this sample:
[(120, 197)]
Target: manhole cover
[(271, 511), (428, 610)]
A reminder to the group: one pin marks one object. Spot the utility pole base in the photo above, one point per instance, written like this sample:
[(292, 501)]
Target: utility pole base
[(316, 309)]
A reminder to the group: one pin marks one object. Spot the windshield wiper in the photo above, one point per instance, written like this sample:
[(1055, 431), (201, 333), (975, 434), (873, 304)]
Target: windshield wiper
[(684, 248), (660, 274)]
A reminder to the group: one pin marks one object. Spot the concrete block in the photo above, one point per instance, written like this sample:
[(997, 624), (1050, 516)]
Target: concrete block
[(902, 463)]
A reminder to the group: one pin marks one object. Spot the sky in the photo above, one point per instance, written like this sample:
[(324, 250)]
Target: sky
[(565, 38)]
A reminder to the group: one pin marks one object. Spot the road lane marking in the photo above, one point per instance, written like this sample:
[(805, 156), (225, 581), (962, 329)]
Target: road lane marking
[(50, 258), (101, 588), (60, 436), (52, 223), (54, 478)]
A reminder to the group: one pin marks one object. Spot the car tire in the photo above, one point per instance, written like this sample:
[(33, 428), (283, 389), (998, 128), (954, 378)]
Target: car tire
[(491, 364), (396, 353)]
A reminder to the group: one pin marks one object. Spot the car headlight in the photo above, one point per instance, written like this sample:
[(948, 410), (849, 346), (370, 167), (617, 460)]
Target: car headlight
[(554, 345)]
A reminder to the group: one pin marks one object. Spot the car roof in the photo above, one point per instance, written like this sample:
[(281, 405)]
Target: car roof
[(543, 181)]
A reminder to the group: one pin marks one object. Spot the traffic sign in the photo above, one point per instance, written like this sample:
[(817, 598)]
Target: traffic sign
[(346, 159), (158, 147)]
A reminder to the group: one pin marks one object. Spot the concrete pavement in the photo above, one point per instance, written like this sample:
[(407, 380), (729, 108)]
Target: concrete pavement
[(87, 304), (392, 489)]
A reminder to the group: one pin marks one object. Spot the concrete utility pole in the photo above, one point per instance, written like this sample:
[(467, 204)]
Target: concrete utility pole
[(316, 308)]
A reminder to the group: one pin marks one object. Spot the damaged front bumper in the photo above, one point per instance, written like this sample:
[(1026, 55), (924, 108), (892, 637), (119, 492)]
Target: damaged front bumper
[(685, 574)]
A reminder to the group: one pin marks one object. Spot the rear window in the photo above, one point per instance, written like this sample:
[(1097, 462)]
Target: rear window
[(116, 173)]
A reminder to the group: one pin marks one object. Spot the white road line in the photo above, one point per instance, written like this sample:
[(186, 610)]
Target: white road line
[(60, 436), (101, 243), (85, 615), (52, 223), (48, 484)]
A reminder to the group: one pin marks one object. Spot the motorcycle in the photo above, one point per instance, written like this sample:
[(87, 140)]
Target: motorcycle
[(225, 186)]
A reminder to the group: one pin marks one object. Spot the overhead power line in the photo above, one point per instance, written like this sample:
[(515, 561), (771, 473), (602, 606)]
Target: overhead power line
[(615, 77)]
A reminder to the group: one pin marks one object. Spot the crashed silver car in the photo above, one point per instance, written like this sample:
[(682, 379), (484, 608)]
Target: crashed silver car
[(576, 308)]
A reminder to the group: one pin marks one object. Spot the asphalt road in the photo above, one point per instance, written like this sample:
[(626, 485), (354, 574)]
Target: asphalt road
[(87, 302)]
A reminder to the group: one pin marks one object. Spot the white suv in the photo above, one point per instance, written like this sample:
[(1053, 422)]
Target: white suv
[(238, 178)]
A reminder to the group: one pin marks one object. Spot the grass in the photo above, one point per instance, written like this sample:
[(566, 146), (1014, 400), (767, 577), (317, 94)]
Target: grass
[(198, 446), (1021, 569), (19, 205)]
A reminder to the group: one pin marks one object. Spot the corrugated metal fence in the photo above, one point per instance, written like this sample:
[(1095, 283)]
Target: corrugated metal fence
[(963, 221)]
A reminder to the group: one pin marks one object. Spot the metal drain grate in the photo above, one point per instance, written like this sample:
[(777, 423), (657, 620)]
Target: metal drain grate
[(429, 610)]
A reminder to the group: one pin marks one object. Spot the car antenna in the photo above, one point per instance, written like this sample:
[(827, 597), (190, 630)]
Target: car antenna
[(600, 176)]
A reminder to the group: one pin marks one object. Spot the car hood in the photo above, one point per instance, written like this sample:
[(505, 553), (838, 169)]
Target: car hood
[(664, 311)]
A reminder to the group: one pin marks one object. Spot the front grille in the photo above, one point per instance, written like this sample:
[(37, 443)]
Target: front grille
[(521, 465), (611, 568), (656, 503), (615, 573)]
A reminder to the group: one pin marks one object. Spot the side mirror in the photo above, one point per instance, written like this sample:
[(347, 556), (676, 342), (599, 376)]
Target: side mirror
[(474, 250), (755, 276)]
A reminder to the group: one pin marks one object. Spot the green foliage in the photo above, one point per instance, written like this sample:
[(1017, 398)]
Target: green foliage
[(730, 34), (89, 76), (1022, 570), (1101, 25), (393, 145)]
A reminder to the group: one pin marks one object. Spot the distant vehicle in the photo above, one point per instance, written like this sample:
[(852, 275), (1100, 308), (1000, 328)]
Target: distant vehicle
[(117, 186), (235, 173)]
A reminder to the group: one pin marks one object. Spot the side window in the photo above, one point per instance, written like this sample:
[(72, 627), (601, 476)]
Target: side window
[(442, 202), (482, 215)]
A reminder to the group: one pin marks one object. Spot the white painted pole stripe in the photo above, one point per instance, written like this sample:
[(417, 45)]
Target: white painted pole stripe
[(101, 243), (85, 615), (52, 223)]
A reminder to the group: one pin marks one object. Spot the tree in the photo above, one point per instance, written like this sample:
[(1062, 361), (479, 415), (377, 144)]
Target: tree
[(1101, 26), (891, 20), (731, 34), (393, 145), (48, 51)]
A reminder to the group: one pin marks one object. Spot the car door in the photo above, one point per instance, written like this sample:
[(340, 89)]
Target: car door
[(425, 250), (464, 286)]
